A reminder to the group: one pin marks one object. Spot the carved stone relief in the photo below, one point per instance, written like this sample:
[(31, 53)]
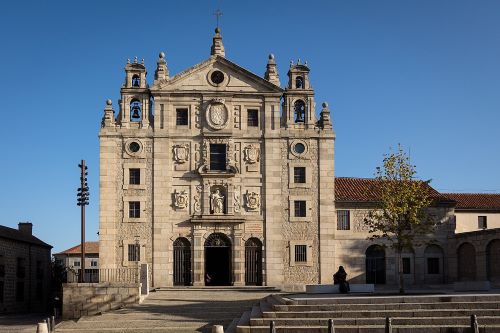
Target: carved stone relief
[(217, 114), (252, 200), (252, 154), (181, 153), (217, 202), (181, 199), (237, 204), (197, 199)]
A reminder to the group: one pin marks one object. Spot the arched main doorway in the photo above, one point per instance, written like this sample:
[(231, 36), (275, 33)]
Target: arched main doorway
[(375, 264), (218, 270), (253, 262), (182, 262), (492, 255), (466, 256)]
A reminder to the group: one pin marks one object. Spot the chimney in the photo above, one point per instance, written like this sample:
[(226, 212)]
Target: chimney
[(26, 228)]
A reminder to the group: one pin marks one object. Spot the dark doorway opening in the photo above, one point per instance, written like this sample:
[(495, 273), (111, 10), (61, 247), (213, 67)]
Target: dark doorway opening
[(218, 270), (253, 262), (182, 262), (375, 264)]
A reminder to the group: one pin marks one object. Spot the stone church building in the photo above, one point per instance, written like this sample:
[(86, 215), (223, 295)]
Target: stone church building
[(217, 176)]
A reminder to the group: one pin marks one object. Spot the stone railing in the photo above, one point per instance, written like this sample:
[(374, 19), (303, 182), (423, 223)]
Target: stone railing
[(129, 275)]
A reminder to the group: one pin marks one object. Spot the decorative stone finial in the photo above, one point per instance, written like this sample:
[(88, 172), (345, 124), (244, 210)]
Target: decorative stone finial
[(108, 119), (135, 60), (272, 74), (128, 61), (291, 63), (109, 102), (161, 72), (298, 61), (142, 61), (217, 46), (325, 119), (325, 105)]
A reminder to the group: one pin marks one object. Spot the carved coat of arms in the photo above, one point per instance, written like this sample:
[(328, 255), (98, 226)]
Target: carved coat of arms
[(252, 200), (180, 199), (181, 153), (252, 154), (216, 114)]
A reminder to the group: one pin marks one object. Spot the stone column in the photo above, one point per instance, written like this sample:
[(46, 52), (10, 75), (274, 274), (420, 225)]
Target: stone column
[(238, 260), (198, 256)]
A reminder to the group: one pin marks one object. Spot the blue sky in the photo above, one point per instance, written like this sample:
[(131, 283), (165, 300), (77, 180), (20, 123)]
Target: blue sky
[(421, 73)]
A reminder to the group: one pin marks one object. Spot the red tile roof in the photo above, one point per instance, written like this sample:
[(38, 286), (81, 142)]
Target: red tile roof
[(366, 190), (90, 248), (475, 200)]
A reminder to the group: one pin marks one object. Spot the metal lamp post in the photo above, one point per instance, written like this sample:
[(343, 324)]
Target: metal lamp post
[(82, 201)]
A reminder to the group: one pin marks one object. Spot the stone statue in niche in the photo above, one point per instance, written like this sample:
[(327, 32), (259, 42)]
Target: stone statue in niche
[(217, 202), (181, 153), (252, 200), (252, 154)]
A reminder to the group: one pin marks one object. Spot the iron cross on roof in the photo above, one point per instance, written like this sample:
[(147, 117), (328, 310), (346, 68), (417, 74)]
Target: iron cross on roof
[(218, 14)]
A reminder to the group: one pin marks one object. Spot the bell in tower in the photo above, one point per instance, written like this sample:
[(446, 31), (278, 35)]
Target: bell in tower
[(135, 97)]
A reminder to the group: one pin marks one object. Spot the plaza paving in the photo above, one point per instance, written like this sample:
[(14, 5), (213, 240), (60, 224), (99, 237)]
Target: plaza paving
[(173, 310)]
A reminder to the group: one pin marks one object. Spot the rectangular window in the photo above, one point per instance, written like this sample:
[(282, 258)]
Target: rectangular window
[(134, 252), (20, 291), (432, 265), (181, 117), (300, 253), (253, 118), (134, 209), (1, 291), (134, 176), (482, 222), (299, 175), (21, 268), (406, 265), (39, 270), (2, 266), (93, 263), (343, 219), (39, 290), (218, 157), (76, 264), (300, 208)]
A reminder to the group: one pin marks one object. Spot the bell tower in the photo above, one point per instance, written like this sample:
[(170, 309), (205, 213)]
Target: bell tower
[(135, 102), (298, 99)]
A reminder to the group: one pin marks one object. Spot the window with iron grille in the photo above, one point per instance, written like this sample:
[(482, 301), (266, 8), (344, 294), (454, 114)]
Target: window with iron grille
[(300, 208), (134, 252), (181, 117), (134, 209), (482, 222), (299, 175), (343, 219), (76, 264), (406, 265), (218, 157), (134, 176), (300, 253), (432, 265), (253, 118)]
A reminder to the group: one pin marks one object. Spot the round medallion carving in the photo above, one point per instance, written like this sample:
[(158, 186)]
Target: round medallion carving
[(217, 115)]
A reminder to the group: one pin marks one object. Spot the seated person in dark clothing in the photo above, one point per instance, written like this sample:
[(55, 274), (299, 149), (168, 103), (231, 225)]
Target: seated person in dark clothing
[(340, 278)]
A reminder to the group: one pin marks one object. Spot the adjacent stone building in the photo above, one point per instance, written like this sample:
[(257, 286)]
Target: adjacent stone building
[(71, 259), (216, 176), (24, 270)]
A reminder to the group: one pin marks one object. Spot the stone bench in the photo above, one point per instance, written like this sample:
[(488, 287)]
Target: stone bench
[(334, 288)]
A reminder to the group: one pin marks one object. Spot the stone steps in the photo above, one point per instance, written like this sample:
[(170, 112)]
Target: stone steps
[(389, 306), (372, 329), (387, 313)]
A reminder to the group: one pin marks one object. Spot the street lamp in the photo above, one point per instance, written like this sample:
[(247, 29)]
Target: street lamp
[(82, 201)]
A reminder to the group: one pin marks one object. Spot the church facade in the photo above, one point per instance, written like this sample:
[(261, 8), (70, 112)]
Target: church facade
[(216, 176)]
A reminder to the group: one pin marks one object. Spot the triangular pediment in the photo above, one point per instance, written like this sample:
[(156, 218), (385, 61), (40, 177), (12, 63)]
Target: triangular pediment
[(237, 79)]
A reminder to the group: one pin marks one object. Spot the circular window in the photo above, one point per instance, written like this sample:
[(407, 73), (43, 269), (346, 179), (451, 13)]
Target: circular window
[(299, 148), (134, 147), (217, 77)]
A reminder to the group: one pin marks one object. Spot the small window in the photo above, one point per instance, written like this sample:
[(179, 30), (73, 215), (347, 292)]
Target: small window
[(2, 266), (181, 117), (20, 291), (406, 265), (134, 209), (39, 270), (482, 222), (93, 263), (299, 175), (299, 82), (432, 265), (136, 81), (76, 264), (300, 253), (1, 291), (253, 118), (21, 268), (218, 157), (300, 208), (134, 176), (134, 252), (343, 219)]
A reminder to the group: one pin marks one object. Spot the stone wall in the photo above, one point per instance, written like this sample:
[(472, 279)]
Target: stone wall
[(87, 299)]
